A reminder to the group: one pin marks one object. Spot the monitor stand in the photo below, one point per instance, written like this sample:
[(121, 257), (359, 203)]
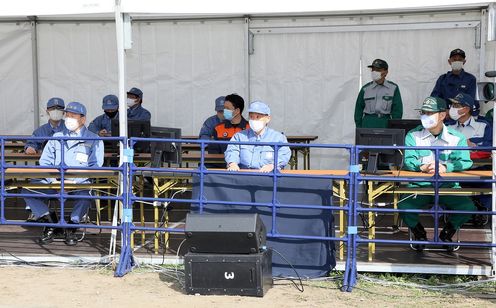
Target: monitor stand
[(372, 165), (157, 159)]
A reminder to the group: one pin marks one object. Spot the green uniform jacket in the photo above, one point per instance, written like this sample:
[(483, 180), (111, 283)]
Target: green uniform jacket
[(376, 104), (454, 160)]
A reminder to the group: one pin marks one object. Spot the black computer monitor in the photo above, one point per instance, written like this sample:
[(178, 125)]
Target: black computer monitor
[(135, 128), (380, 159), (406, 124), (168, 152)]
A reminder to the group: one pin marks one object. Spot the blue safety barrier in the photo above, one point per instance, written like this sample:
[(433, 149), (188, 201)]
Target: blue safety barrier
[(352, 206)]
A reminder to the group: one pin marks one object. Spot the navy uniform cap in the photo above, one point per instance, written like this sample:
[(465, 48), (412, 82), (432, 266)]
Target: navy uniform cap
[(55, 102), (76, 107), (463, 99), (136, 91), (219, 103), (110, 102), (456, 52)]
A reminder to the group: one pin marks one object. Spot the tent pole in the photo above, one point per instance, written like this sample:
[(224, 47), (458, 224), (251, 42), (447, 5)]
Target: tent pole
[(34, 55)]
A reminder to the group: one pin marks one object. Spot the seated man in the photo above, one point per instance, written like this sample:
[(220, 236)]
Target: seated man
[(435, 133), (78, 153), (233, 123), (477, 130), (259, 157), (207, 130), (478, 133), (55, 110), (135, 111), (101, 125)]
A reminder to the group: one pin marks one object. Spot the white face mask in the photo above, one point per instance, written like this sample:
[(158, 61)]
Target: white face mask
[(257, 125), (131, 102), (429, 121), (454, 113), (456, 65), (56, 115), (71, 124), (375, 75)]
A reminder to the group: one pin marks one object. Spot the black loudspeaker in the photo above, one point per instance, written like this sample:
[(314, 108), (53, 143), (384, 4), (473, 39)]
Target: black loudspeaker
[(225, 233), (228, 274)]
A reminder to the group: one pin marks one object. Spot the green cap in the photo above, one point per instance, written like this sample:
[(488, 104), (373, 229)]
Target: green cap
[(378, 63), (433, 104)]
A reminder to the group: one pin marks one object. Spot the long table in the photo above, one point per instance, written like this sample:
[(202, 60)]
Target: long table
[(376, 188)]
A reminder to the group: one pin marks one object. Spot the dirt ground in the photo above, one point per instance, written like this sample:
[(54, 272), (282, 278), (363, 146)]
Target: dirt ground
[(64, 287)]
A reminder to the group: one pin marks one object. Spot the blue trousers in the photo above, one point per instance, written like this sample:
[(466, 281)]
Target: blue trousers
[(39, 206)]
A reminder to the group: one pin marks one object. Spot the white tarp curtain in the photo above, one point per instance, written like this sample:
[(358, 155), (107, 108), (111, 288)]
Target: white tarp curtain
[(16, 78), (310, 80)]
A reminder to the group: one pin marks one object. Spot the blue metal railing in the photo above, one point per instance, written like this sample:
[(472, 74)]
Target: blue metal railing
[(352, 207)]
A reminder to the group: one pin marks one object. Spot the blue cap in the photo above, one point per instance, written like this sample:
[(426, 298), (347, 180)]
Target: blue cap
[(219, 103), (76, 107), (259, 107), (464, 99), (136, 91), (55, 101), (110, 102)]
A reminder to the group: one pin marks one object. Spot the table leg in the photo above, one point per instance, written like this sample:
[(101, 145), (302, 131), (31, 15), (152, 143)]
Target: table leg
[(371, 223), (342, 220)]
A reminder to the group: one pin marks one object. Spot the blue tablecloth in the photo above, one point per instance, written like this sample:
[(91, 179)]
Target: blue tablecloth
[(311, 258)]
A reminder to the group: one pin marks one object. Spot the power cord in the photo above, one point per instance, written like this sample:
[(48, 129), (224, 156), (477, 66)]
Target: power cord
[(294, 269)]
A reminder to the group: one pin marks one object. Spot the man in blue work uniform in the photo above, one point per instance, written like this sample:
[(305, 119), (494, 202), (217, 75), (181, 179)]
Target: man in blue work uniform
[(135, 111), (457, 80), (478, 132), (101, 124), (77, 153), (261, 157), (208, 127), (55, 111)]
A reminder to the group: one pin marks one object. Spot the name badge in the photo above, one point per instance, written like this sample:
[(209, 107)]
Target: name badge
[(81, 157)]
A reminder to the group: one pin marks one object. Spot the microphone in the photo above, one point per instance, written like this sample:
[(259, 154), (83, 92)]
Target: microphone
[(490, 74)]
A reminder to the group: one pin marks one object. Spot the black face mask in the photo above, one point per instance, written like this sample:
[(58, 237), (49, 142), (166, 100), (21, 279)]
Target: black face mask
[(111, 114)]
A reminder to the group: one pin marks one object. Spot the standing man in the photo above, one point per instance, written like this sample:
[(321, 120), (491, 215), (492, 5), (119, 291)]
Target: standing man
[(259, 157), (207, 130), (435, 133), (378, 100), (233, 123), (55, 110), (135, 111), (457, 80), (77, 153), (101, 125)]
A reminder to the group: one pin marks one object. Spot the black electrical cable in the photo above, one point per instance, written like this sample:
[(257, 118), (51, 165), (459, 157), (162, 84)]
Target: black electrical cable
[(294, 269)]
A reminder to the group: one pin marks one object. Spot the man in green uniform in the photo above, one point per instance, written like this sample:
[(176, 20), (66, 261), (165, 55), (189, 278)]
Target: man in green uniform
[(378, 100), (433, 132)]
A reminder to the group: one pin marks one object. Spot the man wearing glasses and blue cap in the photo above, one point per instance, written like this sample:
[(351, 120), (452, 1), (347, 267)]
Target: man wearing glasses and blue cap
[(208, 127), (101, 125), (55, 110), (261, 157), (77, 153)]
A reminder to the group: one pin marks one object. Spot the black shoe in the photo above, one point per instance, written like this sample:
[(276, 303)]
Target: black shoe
[(70, 237), (446, 235), (419, 234), (48, 232)]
